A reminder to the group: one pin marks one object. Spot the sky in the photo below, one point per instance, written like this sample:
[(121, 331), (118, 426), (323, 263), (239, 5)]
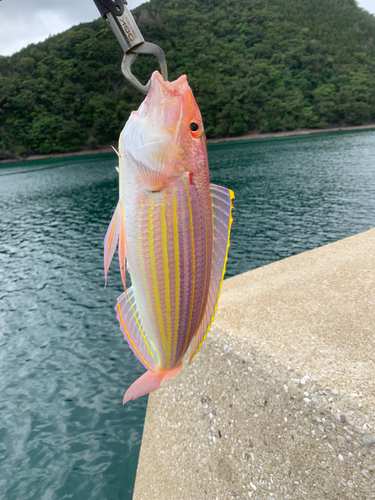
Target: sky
[(30, 21)]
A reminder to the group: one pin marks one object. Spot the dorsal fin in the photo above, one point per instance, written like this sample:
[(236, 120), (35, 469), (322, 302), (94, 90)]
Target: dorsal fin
[(222, 221)]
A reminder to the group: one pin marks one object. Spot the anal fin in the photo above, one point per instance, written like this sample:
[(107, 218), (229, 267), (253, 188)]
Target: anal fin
[(222, 221), (134, 334)]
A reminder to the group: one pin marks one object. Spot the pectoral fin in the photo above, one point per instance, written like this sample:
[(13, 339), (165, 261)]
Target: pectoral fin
[(116, 234), (122, 246), (222, 221), (111, 239)]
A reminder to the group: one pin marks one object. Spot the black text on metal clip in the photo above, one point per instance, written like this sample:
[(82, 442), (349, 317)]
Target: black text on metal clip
[(130, 38)]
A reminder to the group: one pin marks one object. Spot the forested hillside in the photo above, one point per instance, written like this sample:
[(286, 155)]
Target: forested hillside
[(253, 64)]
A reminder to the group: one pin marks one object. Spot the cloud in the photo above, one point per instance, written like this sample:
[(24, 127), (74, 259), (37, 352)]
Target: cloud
[(369, 5), (30, 21), (23, 21)]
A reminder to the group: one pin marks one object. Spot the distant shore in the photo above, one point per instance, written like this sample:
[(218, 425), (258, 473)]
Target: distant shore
[(290, 133), (82, 152), (248, 137)]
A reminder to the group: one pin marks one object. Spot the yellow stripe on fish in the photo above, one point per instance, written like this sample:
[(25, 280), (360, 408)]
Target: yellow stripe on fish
[(177, 270), (166, 272), (192, 259), (154, 276)]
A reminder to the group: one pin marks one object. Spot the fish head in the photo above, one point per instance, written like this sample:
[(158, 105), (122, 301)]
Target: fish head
[(165, 136)]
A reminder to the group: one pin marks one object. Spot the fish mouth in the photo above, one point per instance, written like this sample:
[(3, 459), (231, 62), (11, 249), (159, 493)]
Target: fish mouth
[(174, 89), (161, 92)]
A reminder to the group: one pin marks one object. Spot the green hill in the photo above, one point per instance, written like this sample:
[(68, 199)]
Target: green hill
[(253, 64)]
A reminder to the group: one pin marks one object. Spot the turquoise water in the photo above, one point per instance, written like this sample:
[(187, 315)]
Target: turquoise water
[(64, 365)]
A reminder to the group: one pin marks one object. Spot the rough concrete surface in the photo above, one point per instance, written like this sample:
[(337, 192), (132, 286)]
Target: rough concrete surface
[(279, 403)]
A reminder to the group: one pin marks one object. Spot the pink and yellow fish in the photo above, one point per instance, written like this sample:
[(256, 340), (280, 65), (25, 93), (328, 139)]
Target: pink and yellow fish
[(172, 229)]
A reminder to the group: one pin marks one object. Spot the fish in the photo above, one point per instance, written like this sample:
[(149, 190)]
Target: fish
[(172, 229)]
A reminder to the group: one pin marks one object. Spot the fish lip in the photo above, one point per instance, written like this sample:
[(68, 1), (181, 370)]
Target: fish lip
[(174, 89), (161, 90)]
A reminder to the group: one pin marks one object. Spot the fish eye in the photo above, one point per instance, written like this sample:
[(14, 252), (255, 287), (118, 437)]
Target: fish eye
[(196, 127)]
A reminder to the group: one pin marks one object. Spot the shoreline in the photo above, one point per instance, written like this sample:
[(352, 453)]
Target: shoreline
[(83, 152), (291, 133), (105, 149)]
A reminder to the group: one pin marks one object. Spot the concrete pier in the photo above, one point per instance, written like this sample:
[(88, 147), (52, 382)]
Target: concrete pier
[(279, 403)]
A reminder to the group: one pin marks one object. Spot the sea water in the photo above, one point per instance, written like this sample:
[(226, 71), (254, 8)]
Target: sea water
[(64, 364)]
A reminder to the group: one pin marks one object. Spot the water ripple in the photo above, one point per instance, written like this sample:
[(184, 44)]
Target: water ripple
[(295, 194)]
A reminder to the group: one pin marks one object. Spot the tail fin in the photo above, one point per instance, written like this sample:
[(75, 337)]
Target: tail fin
[(147, 383)]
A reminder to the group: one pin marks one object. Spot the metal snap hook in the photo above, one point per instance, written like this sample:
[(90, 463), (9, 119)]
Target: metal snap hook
[(131, 40), (129, 58)]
